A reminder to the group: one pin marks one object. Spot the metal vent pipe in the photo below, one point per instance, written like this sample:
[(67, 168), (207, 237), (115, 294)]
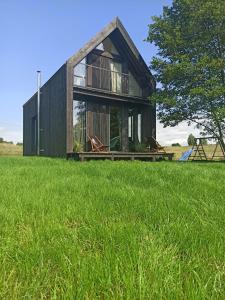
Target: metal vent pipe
[(38, 110)]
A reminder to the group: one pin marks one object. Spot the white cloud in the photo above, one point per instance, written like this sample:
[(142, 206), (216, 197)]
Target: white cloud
[(178, 134), (11, 133)]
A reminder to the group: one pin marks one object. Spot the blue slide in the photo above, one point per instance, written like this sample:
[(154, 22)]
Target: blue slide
[(186, 155)]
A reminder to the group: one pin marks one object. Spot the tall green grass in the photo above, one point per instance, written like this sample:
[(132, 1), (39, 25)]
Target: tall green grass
[(111, 230)]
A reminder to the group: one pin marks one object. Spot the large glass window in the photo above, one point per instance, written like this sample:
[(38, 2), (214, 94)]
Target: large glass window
[(116, 78), (80, 73), (98, 121), (105, 72), (131, 125), (134, 128), (79, 125), (107, 46), (139, 127), (115, 128)]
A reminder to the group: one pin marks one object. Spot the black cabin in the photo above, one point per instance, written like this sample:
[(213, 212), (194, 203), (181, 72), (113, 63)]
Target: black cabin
[(103, 90)]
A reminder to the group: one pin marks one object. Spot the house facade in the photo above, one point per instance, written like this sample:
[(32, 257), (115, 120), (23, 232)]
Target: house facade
[(103, 90)]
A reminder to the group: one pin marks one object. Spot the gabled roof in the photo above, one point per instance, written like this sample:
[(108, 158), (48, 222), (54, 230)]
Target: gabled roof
[(115, 25)]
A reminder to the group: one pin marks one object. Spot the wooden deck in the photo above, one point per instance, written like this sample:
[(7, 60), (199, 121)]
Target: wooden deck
[(148, 156)]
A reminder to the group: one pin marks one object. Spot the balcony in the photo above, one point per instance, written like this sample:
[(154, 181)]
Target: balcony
[(102, 79)]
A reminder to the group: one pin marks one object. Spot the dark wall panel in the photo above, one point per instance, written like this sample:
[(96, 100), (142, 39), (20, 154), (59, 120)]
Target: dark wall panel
[(53, 115), (29, 112), (148, 123), (53, 118)]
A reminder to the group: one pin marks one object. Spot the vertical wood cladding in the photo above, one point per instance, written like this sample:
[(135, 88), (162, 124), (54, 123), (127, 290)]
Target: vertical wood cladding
[(53, 115), (148, 123), (53, 119), (29, 112), (69, 107)]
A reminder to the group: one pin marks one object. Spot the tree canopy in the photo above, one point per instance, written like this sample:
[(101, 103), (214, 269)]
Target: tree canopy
[(191, 139), (190, 64)]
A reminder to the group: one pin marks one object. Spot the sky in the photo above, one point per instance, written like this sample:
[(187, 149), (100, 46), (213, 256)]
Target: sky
[(43, 34)]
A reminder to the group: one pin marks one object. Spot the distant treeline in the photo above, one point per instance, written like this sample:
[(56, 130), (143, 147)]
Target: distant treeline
[(9, 142)]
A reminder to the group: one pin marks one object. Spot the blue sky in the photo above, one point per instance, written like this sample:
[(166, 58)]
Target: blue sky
[(42, 34)]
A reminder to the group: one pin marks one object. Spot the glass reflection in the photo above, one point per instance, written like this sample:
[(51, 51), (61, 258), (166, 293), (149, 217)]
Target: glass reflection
[(79, 125)]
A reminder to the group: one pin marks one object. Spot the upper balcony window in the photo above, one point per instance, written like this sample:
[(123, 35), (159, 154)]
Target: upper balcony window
[(103, 73), (108, 46), (80, 73), (116, 77)]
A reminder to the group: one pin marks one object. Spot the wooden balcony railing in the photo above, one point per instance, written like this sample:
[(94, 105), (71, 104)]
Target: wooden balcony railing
[(104, 79)]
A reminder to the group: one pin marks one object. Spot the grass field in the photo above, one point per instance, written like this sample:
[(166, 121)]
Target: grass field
[(111, 230), (10, 149), (14, 150), (178, 151)]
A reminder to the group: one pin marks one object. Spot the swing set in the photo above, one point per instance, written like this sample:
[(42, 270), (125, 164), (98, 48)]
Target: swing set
[(198, 150)]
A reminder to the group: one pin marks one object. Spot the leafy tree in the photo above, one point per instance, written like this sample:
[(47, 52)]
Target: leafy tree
[(1, 140), (191, 139), (204, 142), (190, 64), (176, 145)]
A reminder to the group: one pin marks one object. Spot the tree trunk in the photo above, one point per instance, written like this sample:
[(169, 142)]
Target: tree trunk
[(221, 137), (221, 140)]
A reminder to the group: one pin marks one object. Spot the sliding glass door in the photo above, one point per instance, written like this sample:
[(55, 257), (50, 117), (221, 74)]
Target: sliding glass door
[(104, 122), (98, 121), (134, 127), (115, 128), (79, 125)]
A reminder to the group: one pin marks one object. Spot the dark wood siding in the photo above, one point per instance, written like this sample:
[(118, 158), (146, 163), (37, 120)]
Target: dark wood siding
[(53, 119), (148, 123), (53, 115), (29, 112)]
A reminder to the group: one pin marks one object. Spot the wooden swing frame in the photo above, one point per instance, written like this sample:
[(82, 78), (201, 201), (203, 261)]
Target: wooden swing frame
[(198, 151)]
